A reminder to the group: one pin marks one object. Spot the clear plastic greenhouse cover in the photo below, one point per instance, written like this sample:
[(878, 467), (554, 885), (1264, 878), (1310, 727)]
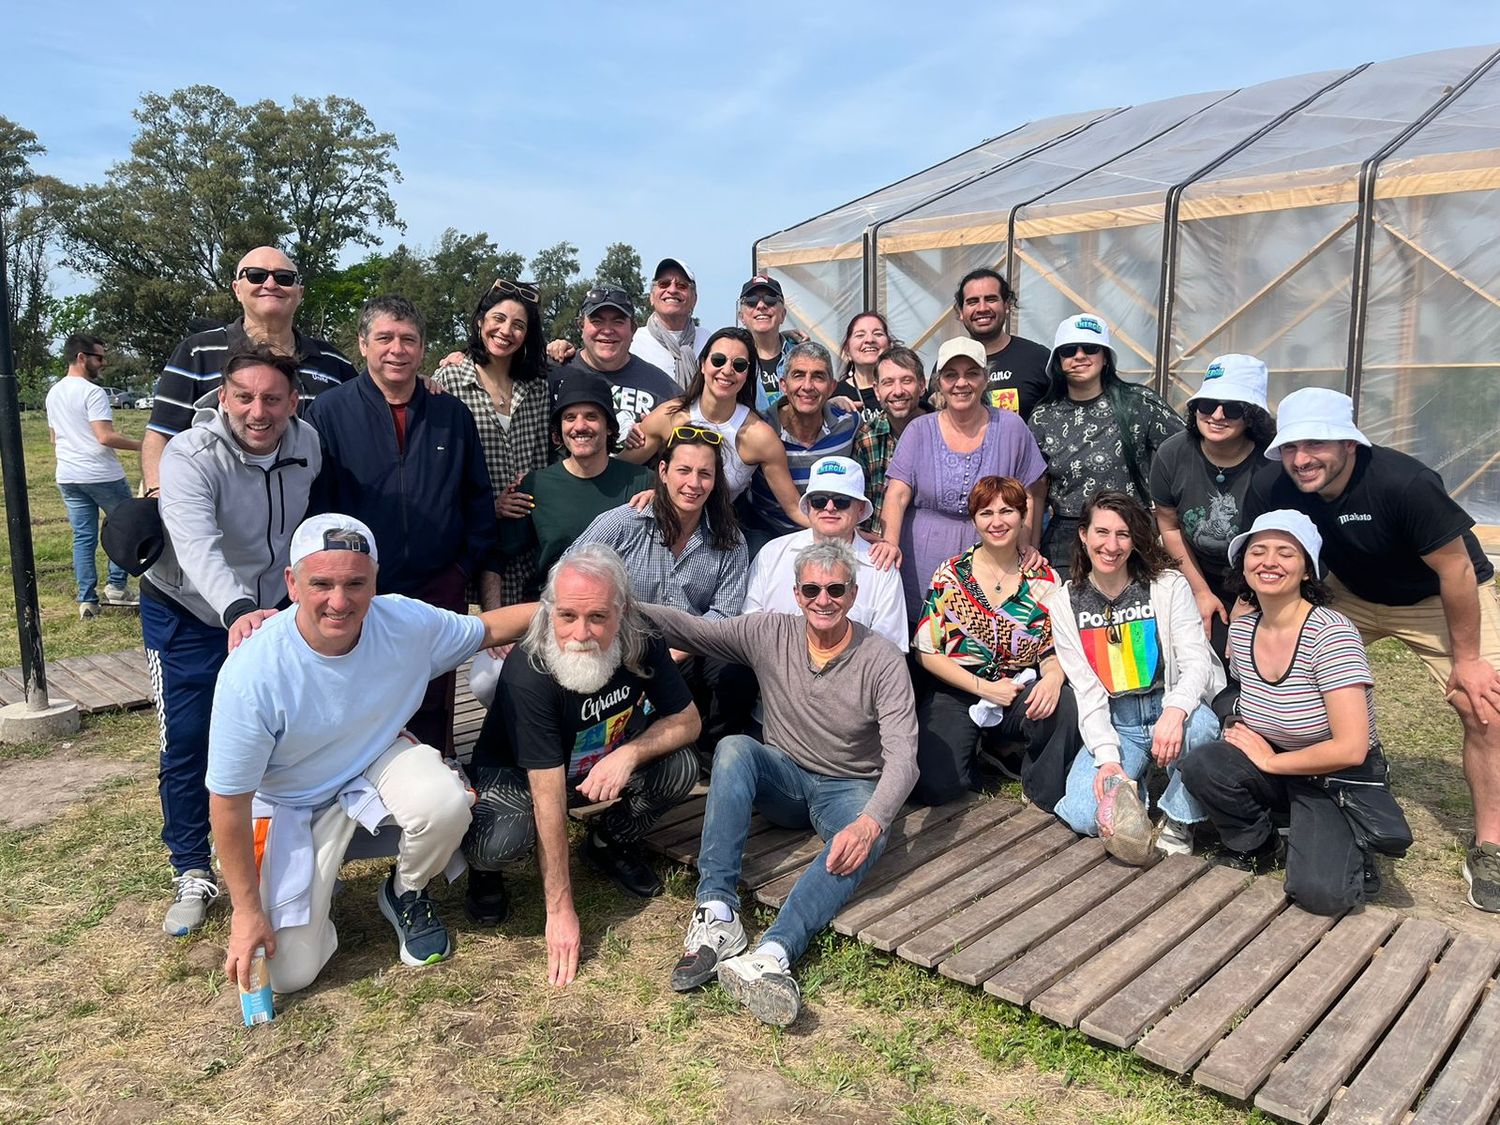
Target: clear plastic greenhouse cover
[(1264, 246)]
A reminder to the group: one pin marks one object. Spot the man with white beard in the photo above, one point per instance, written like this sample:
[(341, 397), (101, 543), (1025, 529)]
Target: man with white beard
[(570, 727)]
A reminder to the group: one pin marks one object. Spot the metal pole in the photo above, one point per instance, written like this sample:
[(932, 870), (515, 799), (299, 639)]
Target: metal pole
[(18, 509)]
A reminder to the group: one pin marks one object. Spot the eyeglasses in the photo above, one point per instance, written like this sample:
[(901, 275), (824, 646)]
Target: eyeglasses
[(672, 283), (695, 434), (820, 500), (256, 275), (811, 590), (739, 363), (1111, 626), (1233, 411), (514, 289), (770, 300), (1068, 351)]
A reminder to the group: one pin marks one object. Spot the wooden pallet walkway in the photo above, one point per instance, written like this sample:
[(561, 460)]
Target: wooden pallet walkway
[(1200, 970), (109, 681)]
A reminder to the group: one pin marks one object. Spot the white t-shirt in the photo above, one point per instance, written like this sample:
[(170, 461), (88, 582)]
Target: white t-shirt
[(880, 604), (645, 346), (296, 726), (73, 403)]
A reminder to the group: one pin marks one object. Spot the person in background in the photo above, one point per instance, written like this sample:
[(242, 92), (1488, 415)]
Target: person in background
[(670, 339), (900, 383), (1097, 432), (502, 380), (607, 324), (762, 312), (1302, 740), (89, 474), (940, 459), (866, 338), (1017, 367)]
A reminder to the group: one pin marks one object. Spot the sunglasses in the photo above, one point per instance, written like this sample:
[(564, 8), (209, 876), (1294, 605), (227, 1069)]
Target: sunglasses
[(770, 300), (1068, 351), (739, 363), (811, 590), (256, 275), (1111, 626), (820, 500), (695, 434), (93, 355), (1233, 411), (514, 289)]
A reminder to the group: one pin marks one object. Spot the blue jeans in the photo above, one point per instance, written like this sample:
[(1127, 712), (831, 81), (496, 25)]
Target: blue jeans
[(1133, 717), (84, 503), (749, 776)]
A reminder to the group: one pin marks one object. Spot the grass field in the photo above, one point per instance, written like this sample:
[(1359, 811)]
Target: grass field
[(105, 1019)]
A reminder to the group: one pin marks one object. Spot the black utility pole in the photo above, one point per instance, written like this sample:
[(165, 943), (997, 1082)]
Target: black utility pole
[(18, 509)]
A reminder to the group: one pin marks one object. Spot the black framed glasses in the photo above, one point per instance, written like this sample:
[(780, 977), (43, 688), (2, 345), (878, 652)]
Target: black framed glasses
[(256, 275), (820, 500), (515, 289), (1233, 411), (770, 300), (1111, 626), (94, 355), (695, 434), (1068, 351), (739, 364), (811, 590)]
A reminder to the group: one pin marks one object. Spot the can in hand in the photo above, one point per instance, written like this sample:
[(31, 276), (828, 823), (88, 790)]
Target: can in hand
[(255, 997)]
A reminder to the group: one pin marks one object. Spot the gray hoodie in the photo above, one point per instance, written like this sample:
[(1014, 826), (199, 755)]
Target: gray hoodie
[(229, 521)]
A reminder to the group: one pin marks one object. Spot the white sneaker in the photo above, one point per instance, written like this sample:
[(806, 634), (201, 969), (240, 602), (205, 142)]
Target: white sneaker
[(118, 595), (1175, 838), (87, 611), (193, 891), (708, 942), (758, 981)]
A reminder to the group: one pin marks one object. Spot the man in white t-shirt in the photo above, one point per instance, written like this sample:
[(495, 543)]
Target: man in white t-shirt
[(307, 733), (835, 501), (89, 475), (670, 340)]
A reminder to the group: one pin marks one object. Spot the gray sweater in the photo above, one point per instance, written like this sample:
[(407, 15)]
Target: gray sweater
[(855, 718)]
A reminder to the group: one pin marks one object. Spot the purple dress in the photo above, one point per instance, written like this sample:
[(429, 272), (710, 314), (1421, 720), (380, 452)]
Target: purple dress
[(937, 525)]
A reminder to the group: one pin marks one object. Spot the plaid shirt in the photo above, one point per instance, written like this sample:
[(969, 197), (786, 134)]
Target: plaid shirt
[(509, 452), (873, 446), (702, 581)]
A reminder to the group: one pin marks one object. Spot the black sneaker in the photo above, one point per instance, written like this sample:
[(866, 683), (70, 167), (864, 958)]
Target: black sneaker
[(421, 933), (486, 901), (1371, 878), (1258, 861), (1482, 873), (622, 863)]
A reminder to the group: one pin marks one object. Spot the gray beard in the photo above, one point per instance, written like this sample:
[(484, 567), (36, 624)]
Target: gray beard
[(582, 672)]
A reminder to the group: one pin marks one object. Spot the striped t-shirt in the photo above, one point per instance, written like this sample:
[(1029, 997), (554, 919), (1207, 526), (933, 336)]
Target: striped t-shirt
[(1290, 714), (835, 439)]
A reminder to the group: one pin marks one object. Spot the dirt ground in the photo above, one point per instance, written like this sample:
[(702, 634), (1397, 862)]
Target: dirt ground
[(34, 790)]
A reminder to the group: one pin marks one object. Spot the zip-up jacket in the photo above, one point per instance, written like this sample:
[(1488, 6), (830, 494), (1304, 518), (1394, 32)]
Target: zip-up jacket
[(229, 521), (430, 506)]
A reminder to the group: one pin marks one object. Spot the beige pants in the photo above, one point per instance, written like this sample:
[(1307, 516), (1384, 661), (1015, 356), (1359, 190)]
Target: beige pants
[(428, 801), (1423, 628)]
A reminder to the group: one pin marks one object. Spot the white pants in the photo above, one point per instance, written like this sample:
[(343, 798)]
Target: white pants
[(430, 804)]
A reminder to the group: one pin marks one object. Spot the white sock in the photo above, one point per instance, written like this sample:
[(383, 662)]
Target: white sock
[(721, 911), (773, 949)]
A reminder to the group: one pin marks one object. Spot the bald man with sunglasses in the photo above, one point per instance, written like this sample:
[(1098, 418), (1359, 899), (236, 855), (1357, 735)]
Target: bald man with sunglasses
[(269, 290)]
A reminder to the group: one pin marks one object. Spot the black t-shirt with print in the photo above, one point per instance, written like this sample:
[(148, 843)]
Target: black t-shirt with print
[(638, 388), (1393, 511), (1085, 449), (1018, 376), (537, 724), (1208, 512), (869, 405)]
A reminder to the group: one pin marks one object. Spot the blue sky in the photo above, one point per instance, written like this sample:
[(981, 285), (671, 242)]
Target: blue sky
[(682, 129)]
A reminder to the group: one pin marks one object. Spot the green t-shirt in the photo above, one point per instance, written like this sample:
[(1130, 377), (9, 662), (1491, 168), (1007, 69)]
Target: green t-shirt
[(566, 504)]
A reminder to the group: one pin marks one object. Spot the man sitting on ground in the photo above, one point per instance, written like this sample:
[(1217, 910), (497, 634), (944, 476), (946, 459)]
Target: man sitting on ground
[(839, 755), (570, 727), (307, 731)]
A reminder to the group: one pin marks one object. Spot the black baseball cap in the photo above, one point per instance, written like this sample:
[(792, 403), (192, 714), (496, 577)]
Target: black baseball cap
[(607, 296), (132, 536), (761, 281)]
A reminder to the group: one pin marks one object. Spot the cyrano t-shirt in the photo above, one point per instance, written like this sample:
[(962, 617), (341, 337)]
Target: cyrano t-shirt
[(73, 404), (1018, 376), (297, 726)]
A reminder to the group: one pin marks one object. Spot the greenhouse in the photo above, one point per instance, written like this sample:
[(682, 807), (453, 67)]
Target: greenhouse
[(1340, 225)]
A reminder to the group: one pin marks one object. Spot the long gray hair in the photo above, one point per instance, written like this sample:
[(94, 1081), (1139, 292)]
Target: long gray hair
[(599, 562)]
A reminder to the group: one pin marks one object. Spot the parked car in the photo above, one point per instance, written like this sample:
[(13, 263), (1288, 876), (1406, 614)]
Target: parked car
[(119, 399), (145, 403)]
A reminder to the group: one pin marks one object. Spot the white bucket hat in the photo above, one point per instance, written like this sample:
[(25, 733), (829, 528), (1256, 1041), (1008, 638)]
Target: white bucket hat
[(1314, 414), (840, 476), (1235, 378), (1082, 328), (1295, 524), (311, 537)]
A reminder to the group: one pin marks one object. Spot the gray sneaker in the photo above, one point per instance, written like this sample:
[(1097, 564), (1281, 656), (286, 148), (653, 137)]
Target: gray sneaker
[(1175, 838), (192, 892), (118, 595), (708, 942), (87, 611), (1482, 873), (758, 981)]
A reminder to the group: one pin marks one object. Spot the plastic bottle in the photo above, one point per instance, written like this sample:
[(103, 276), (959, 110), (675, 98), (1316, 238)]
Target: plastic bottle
[(255, 997)]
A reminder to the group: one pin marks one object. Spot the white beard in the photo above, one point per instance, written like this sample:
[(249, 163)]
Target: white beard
[(582, 667)]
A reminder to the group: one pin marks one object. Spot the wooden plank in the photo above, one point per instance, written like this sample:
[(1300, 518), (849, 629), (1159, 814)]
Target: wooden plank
[(1239, 1064), (12, 689), (903, 830), (1121, 1019), (687, 810), (63, 681), (1468, 1089), (1301, 1088), (1395, 1074), (131, 666), (116, 680), (1185, 1036), (1086, 935), (987, 955), (1126, 957), (1052, 858), (963, 890), (935, 865)]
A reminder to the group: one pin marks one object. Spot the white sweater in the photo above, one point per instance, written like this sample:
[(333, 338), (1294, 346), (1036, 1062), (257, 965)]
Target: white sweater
[(1192, 672)]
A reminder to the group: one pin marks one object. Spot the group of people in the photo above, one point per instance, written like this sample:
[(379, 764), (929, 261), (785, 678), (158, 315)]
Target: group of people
[(828, 589)]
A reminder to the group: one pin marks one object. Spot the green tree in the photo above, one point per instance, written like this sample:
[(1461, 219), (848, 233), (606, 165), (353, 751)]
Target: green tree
[(559, 290), (621, 265), (30, 219)]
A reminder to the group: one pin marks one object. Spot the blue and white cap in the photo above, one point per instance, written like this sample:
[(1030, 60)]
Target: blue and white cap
[(840, 476), (1235, 378), (1083, 328)]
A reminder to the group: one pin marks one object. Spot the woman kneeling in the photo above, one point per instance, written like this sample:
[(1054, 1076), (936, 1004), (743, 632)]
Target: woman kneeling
[(1303, 742)]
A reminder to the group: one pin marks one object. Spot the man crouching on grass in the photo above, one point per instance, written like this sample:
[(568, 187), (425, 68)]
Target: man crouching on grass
[(839, 756), (307, 728)]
